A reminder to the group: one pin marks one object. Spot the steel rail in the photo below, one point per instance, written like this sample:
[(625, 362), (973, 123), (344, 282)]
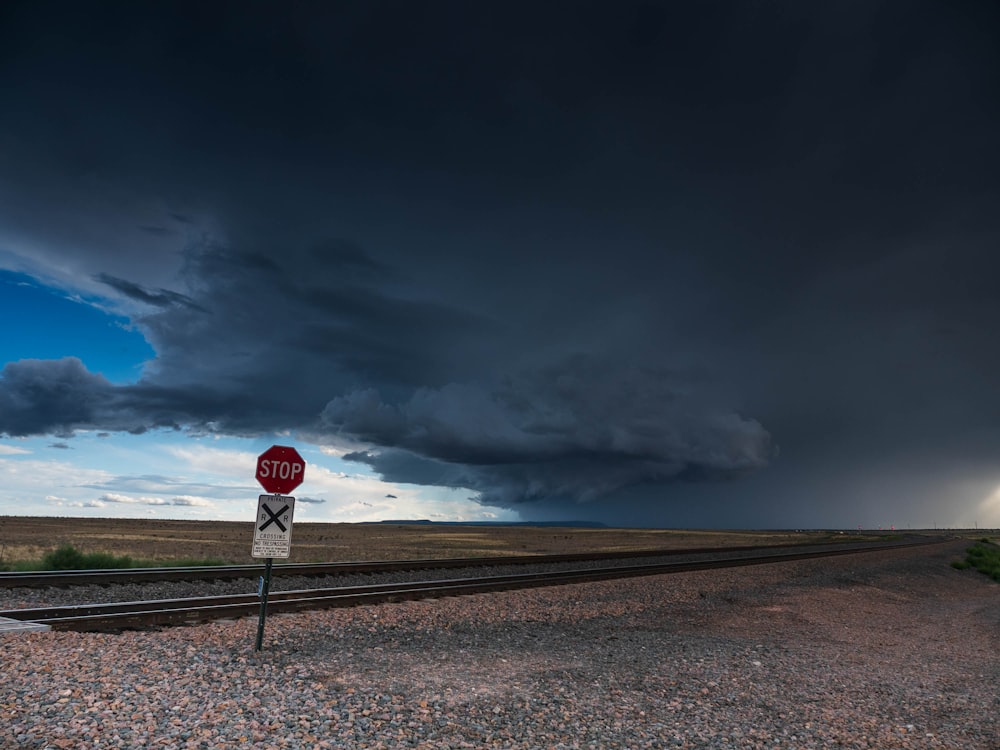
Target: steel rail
[(63, 578), (130, 615)]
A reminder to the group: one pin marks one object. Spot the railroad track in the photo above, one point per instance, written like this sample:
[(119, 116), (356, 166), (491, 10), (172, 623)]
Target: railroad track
[(65, 578), (131, 615)]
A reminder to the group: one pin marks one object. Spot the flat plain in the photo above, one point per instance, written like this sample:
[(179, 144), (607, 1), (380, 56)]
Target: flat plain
[(890, 650), (24, 537)]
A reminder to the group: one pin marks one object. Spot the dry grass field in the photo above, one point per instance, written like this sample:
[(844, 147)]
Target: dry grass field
[(23, 538)]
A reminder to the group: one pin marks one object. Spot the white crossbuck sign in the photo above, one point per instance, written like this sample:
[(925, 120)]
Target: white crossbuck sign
[(272, 533)]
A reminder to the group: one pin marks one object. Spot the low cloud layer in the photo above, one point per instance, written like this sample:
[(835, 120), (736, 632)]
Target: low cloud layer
[(189, 502), (580, 429)]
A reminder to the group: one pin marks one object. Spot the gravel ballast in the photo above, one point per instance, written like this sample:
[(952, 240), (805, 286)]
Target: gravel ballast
[(55, 596), (880, 650)]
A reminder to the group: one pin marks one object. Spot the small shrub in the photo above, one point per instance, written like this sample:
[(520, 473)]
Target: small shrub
[(68, 557), (983, 556)]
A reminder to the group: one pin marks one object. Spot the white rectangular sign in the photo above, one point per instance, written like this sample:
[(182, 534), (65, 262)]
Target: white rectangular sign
[(272, 531)]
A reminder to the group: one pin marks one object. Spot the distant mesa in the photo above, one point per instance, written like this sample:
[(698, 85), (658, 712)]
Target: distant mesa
[(560, 524)]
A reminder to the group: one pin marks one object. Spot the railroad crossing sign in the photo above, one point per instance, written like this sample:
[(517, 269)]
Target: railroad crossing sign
[(280, 469), (272, 531)]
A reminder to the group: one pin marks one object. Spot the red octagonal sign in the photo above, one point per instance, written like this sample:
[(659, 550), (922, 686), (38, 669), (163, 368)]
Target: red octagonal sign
[(280, 469)]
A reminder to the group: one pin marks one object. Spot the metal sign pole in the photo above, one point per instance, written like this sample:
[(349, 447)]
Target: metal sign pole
[(263, 602)]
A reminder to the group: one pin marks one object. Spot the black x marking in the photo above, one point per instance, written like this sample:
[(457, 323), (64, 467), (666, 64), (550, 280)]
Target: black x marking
[(273, 518)]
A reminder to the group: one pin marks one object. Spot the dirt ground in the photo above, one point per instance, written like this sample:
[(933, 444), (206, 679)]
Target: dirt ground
[(29, 538)]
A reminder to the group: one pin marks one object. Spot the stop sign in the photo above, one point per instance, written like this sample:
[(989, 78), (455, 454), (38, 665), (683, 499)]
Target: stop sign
[(280, 469)]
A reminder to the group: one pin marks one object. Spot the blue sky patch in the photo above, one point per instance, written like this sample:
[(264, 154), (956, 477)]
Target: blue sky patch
[(44, 323)]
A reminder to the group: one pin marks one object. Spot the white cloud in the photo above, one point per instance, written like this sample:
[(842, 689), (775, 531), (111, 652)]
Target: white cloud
[(218, 461), (182, 500), (33, 478), (191, 502), (88, 504), (114, 497), (11, 450)]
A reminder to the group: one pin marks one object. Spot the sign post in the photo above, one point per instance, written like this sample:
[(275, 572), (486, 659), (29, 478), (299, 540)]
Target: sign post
[(280, 469)]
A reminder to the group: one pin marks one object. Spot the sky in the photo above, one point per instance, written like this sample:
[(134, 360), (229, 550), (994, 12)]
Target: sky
[(725, 264)]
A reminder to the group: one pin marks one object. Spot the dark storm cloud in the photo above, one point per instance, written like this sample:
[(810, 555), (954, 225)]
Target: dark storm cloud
[(281, 334), (58, 397), (544, 253), (582, 427), (158, 231)]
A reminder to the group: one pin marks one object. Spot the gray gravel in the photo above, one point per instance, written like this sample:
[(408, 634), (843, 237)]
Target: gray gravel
[(885, 650)]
